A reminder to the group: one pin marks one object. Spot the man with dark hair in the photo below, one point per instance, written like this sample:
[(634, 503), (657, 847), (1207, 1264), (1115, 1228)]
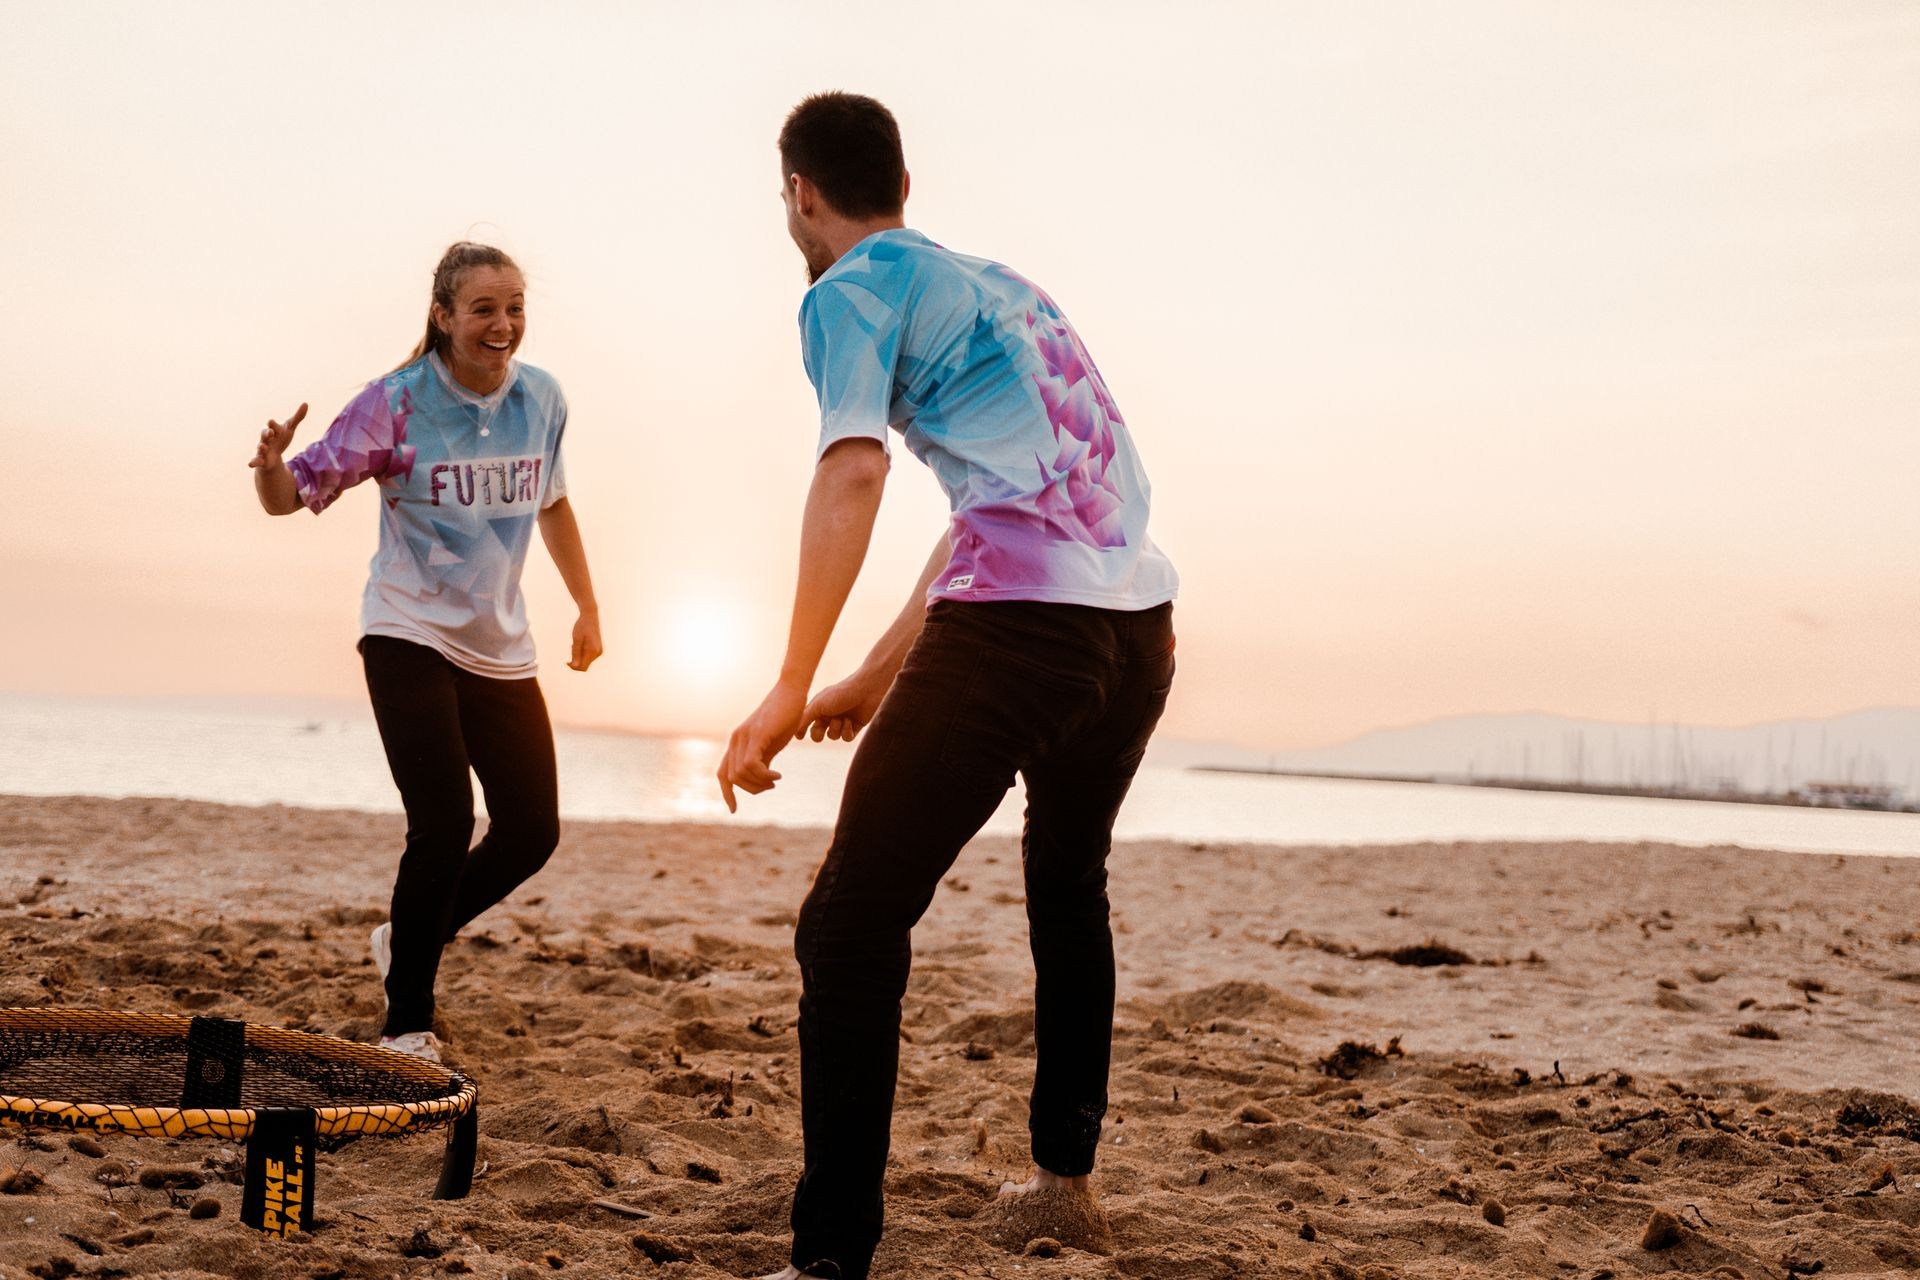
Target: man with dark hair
[(849, 147), (1038, 642)]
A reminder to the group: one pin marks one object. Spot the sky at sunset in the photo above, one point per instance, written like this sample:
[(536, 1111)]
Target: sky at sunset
[(1484, 356)]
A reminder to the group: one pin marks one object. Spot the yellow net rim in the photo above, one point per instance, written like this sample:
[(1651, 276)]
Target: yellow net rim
[(233, 1124)]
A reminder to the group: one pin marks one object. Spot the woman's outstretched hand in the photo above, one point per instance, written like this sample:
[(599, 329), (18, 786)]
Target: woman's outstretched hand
[(275, 438)]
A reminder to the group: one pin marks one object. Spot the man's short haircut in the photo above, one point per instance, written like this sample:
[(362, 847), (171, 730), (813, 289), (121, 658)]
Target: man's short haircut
[(848, 146)]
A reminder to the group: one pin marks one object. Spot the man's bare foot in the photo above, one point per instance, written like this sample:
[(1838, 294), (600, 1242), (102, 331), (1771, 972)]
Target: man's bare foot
[(1042, 1180), (1047, 1204), (791, 1273)]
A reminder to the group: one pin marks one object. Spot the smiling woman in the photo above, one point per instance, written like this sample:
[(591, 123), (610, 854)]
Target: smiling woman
[(464, 445), (483, 327), (477, 317)]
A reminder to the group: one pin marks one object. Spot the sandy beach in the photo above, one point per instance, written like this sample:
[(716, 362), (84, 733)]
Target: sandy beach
[(1716, 1052)]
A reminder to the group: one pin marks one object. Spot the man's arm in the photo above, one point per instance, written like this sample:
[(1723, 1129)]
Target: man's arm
[(841, 505), (840, 711), (561, 532)]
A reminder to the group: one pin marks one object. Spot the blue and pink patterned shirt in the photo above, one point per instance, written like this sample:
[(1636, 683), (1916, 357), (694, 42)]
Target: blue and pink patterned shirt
[(461, 478), (990, 387)]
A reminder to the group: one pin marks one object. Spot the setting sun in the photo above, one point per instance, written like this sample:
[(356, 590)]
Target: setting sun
[(703, 639)]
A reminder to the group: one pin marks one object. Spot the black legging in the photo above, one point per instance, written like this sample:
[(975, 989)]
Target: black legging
[(435, 721)]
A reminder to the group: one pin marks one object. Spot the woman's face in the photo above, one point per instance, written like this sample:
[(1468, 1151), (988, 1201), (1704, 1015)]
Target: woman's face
[(488, 319)]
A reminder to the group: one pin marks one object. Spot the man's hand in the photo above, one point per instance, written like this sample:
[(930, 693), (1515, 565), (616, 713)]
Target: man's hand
[(757, 741), (841, 505), (842, 710), (274, 439), (586, 640)]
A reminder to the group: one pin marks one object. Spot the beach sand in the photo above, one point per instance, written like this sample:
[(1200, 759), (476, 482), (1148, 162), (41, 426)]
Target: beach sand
[(1528, 1110)]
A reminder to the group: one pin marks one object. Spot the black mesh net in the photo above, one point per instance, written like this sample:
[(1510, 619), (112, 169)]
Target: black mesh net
[(168, 1077)]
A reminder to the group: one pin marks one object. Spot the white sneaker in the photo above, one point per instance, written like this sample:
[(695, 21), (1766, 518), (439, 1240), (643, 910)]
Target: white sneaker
[(421, 1044), (382, 944)]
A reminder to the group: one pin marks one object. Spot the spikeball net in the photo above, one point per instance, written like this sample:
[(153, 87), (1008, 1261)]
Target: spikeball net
[(281, 1093)]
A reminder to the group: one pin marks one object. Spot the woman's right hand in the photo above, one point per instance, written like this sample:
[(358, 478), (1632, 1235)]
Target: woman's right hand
[(274, 440)]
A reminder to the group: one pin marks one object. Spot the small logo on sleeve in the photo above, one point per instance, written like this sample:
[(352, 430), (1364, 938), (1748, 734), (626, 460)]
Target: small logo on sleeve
[(960, 583)]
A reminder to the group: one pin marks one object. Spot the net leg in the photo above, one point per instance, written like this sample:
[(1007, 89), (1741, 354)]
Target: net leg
[(456, 1169), (216, 1059), (277, 1197)]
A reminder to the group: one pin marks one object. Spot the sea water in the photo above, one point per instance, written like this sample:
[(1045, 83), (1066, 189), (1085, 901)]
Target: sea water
[(135, 747)]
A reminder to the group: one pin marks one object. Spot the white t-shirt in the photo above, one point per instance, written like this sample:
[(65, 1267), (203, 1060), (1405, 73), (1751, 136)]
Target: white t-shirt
[(461, 478)]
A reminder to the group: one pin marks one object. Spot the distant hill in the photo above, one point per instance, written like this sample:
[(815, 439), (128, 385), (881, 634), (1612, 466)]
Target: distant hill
[(1879, 746)]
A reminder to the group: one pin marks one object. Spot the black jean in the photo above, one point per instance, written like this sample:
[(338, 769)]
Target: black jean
[(437, 720), (1064, 695)]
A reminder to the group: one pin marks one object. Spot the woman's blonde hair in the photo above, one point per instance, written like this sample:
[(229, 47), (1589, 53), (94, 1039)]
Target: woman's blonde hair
[(460, 257)]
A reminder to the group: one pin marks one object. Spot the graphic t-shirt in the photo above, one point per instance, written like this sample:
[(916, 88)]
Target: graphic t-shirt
[(461, 478), (990, 387)]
